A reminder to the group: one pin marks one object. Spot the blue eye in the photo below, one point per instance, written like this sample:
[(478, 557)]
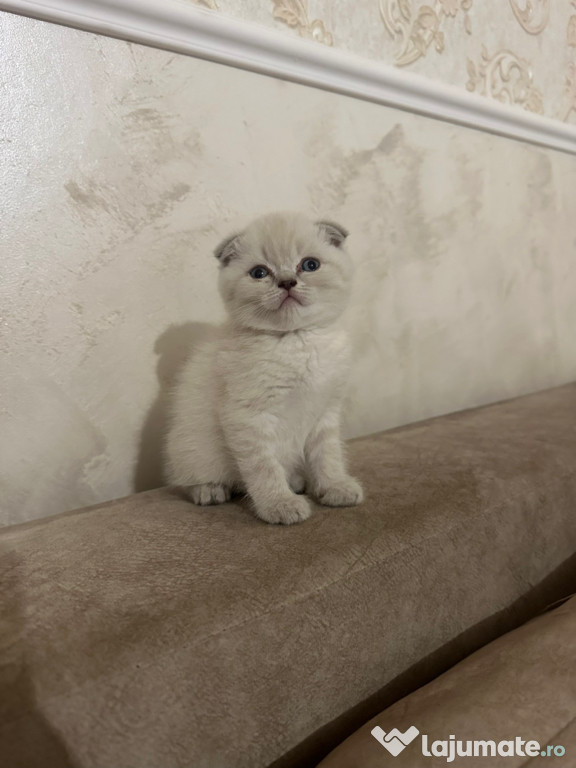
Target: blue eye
[(310, 265), (258, 272)]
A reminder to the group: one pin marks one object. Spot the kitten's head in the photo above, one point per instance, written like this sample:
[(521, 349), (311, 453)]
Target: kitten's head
[(285, 273)]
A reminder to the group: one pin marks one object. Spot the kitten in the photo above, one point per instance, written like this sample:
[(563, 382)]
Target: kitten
[(257, 410)]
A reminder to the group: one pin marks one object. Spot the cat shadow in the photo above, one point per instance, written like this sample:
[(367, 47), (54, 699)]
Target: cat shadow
[(173, 347)]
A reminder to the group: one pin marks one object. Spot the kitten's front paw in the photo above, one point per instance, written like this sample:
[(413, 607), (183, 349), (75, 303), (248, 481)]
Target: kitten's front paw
[(344, 493), (208, 493), (285, 511)]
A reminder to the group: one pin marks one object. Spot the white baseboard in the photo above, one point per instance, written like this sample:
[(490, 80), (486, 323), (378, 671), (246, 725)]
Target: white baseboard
[(180, 26)]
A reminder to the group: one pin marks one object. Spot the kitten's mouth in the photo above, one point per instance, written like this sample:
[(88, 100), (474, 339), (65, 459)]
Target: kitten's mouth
[(290, 300)]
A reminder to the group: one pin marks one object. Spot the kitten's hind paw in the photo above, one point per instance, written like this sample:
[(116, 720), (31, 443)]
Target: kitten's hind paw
[(208, 493), (344, 493), (285, 511)]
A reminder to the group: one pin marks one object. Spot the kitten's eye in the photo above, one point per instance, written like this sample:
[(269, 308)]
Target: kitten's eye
[(258, 272), (310, 265)]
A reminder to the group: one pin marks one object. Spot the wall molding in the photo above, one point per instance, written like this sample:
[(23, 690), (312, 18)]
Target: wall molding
[(181, 27)]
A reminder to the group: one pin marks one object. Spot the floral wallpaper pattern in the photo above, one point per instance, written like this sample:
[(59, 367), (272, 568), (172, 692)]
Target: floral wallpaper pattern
[(506, 77), (294, 13), (520, 52), (533, 16), (417, 29)]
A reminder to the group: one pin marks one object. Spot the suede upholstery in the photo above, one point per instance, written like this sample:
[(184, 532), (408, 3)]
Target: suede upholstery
[(523, 684), (149, 633)]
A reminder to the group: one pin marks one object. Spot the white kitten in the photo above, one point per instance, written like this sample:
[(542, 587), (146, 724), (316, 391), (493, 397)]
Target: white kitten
[(258, 410)]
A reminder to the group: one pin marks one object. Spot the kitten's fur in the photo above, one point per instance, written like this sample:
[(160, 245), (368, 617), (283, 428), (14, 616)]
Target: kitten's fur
[(258, 409)]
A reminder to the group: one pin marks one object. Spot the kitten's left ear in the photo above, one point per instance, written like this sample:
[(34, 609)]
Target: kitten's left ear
[(335, 234), (228, 249)]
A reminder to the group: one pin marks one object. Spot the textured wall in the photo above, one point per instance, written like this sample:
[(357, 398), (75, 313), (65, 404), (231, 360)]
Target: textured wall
[(519, 51), (122, 166)]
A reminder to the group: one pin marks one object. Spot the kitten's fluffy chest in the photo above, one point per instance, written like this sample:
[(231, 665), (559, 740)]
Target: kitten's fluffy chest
[(295, 375)]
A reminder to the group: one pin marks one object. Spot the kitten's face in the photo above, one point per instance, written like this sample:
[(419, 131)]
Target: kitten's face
[(285, 273)]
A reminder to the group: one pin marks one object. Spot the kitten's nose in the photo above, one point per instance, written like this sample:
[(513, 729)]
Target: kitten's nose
[(287, 284)]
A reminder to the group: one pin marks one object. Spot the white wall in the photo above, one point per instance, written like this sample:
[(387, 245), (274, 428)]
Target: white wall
[(122, 167)]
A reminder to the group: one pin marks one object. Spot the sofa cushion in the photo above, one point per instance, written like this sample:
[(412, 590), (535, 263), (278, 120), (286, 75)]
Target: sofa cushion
[(149, 633), (522, 685)]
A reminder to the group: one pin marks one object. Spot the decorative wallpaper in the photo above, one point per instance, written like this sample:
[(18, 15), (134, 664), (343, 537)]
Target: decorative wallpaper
[(517, 51), (123, 166)]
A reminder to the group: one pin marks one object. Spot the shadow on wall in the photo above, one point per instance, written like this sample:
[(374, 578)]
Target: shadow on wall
[(26, 737), (173, 347)]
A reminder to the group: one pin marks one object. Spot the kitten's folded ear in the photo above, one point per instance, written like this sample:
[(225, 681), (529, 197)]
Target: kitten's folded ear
[(335, 234), (228, 249)]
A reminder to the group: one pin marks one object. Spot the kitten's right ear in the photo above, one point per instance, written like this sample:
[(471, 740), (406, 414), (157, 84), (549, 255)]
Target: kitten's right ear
[(228, 249), (334, 233)]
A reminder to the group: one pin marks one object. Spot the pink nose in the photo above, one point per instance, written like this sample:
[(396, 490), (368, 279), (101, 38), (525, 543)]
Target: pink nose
[(287, 284)]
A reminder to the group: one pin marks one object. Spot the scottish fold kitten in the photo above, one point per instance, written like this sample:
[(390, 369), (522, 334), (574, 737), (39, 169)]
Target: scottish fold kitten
[(257, 410)]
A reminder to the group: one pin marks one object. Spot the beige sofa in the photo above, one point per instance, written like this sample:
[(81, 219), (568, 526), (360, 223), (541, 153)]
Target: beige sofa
[(149, 633), (519, 688)]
